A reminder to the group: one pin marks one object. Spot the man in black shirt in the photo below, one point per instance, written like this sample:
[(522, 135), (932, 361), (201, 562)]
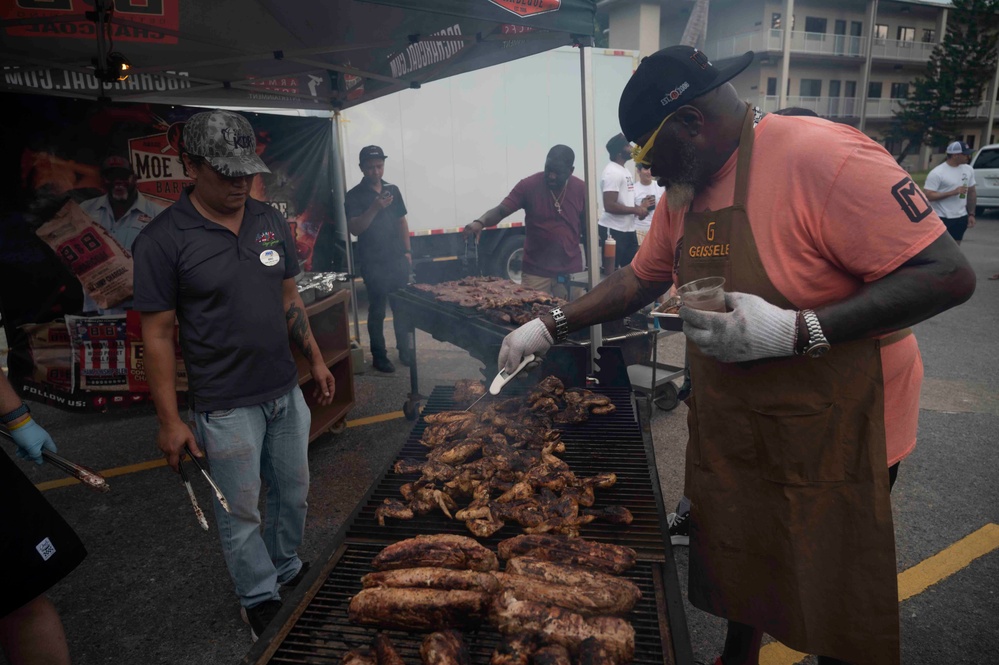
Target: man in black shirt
[(376, 214)]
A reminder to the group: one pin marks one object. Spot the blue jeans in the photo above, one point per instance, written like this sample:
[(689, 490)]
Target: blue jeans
[(268, 442)]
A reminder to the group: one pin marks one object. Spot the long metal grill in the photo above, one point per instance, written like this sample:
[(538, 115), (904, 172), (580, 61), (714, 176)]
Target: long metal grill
[(318, 631)]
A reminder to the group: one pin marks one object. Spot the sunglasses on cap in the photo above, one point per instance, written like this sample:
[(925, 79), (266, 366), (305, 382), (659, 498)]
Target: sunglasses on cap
[(640, 154)]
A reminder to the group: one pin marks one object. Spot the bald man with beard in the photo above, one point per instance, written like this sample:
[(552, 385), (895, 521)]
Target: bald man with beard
[(812, 373)]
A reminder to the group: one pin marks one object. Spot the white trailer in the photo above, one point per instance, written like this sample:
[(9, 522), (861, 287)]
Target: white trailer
[(457, 147)]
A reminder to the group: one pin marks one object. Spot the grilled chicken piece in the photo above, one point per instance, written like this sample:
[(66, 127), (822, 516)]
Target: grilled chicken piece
[(444, 648), (601, 480), (467, 391), (552, 654), (428, 498), (455, 453), (561, 626), (572, 414), (515, 650), (385, 650), (441, 550), (526, 512), (603, 409), (604, 557), (436, 435), (593, 652), (484, 528), (418, 609), (432, 578), (448, 417), (545, 405), (551, 385), (361, 656), (627, 593), (394, 509), (586, 601), (612, 514)]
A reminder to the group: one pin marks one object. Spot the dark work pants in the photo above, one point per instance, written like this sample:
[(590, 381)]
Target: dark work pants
[(377, 301), (627, 247)]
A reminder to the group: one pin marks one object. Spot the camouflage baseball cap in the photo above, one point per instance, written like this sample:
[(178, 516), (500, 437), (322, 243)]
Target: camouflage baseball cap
[(226, 140)]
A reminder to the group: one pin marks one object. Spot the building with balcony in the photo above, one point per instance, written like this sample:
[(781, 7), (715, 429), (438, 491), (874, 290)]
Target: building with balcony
[(851, 61)]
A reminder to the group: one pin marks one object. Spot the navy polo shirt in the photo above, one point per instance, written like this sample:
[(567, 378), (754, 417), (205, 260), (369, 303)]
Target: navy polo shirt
[(229, 300), (381, 244)]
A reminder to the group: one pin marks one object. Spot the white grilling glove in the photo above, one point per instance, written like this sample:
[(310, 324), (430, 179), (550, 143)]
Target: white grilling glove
[(752, 329), (532, 337)]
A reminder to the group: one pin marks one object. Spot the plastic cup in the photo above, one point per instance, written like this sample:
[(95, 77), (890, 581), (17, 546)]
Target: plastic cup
[(706, 294)]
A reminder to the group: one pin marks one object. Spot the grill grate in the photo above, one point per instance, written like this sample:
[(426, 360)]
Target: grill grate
[(323, 633), (318, 630)]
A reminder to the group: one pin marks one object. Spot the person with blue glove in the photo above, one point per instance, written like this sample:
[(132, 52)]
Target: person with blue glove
[(38, 547)]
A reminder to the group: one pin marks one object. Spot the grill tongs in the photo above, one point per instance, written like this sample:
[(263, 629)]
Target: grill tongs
[(208, 477), (88, 477)]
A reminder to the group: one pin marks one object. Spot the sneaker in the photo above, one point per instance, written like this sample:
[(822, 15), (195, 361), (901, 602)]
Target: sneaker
[(293, 582), (679, 533), (258, 616), (383, 365)]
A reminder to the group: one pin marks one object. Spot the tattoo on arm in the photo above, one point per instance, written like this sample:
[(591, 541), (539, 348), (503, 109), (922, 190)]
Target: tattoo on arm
[(298, 329)]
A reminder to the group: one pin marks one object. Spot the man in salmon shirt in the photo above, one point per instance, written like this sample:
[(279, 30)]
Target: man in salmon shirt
[(829, 252)]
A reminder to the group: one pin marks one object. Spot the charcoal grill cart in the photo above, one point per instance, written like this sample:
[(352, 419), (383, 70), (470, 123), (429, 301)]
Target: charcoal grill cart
[(313, 625), (473, 331)]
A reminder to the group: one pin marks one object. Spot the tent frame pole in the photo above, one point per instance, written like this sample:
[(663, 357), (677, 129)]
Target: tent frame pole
[(593, 262), (339, 194)]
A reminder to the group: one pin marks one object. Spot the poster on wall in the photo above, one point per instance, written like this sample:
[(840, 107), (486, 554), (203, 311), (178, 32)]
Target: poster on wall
[(82, 179)]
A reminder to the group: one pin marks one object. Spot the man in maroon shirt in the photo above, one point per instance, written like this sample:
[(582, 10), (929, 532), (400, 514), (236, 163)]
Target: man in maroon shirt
[(554, 213)]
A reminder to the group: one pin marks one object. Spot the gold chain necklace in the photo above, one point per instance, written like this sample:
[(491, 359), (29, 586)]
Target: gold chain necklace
[(558, 200)]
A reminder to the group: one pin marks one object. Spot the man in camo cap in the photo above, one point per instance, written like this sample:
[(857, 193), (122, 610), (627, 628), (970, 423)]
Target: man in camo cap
[(224, 264)]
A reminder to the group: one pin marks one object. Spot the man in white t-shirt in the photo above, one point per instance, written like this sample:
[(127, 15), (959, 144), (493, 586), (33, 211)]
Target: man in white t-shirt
[(647, 193), (619, 209), (950, 187)]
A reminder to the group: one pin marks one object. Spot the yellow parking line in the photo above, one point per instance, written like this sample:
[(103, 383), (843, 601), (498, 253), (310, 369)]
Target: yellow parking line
[(154, 464), (913, 581)]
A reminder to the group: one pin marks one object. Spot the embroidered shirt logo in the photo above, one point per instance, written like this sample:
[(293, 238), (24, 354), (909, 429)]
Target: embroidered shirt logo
[(912, 200), (267, 238), (46, 549)]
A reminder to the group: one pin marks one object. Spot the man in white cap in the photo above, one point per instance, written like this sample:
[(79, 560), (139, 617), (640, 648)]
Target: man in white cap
[(224, 264), (950, 187)]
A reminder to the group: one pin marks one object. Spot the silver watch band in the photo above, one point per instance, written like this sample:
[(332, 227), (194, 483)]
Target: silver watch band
[(561, 325)]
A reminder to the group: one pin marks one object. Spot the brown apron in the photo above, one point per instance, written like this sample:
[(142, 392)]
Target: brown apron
[(790, 520)]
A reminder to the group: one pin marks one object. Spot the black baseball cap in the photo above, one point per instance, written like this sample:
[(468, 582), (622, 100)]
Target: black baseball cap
[(371, 152), (665, 81)]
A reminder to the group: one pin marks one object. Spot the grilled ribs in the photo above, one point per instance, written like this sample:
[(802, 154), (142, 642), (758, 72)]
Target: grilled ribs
[(441, 550), (561, 626), (418, 609), (432, 578), (604, 557)]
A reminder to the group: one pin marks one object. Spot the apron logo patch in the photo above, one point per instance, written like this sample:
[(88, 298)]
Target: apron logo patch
[(912, 200), (46, 549), (710, 248)]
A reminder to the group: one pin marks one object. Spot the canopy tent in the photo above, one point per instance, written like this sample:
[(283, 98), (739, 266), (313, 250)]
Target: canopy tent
[(297, 54), (285, 54)]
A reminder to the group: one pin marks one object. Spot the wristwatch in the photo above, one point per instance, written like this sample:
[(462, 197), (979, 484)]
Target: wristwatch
[(561, 325), (15, 414), (816, 345)]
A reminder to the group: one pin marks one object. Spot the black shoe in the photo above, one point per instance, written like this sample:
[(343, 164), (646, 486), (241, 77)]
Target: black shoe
[(383, 365), (259, 616), (293, 582), (405, 359), (679, 531), (684, 392)]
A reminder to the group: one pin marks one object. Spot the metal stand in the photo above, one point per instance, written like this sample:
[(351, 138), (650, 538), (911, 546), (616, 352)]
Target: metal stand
[(655, 379)]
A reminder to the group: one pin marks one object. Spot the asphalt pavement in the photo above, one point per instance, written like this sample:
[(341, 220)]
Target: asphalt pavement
[(154, 588)]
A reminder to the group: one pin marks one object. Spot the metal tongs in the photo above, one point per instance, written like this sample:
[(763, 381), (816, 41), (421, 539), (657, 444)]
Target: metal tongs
[(464, 260), (208, 477), (200, 514), (88, 477)]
